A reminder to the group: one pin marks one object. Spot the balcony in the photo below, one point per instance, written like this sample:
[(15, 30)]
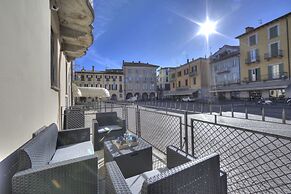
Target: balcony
[(269, 56), (193, 73), (249, 61), (171, 143), (268, 77)]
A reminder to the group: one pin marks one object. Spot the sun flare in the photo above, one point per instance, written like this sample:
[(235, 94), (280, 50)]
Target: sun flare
[(207, 28)]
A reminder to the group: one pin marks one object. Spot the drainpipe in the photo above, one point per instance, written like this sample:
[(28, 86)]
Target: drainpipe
[(288, 48)]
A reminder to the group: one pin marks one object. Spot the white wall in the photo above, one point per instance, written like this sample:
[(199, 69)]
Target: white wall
[(26, 99)]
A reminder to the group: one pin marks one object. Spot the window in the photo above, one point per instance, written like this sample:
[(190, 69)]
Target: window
[(253, 55), (186, 82), (254, 74), (167, 79), (82, 78), (274, 49), (274, 32), (120, 87), (120, 78), (173, 85), (179, 84), (120, 95), (179, 74), (253, 40), (54, 62), (276, 71), (194, 80)]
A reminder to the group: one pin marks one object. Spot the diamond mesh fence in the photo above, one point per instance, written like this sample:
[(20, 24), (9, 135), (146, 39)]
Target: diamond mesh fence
[(255, 162), (131, 119), (160, 129)]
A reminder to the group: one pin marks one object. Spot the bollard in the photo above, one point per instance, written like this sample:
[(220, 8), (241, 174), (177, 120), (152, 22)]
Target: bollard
[(246, 111), (210, 109), (263, 113), (220, 110), (232, 113), (283, 116), (215, 119)]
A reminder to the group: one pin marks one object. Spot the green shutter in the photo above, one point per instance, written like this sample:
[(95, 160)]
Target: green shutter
[(258, 74), (281, 70), (257, 54), (250, 75), (270, 76)]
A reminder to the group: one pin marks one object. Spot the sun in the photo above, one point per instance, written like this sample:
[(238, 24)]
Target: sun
[(207, 28)]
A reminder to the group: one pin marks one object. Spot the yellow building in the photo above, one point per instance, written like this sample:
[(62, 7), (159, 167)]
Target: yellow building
[(190, 79), (265, 59)]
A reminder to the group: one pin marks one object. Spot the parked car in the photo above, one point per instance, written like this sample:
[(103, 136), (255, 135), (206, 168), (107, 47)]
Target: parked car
[(288, 101), (188, 99), (132, 99), (263, 101)]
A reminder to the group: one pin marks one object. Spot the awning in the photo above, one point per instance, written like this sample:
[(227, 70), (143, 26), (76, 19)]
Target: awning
[(92, 92)]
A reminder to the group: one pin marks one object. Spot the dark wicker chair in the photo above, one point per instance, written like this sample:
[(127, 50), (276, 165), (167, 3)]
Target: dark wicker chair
[(184, 175), (74, 118), (106, 126), (59, 162)]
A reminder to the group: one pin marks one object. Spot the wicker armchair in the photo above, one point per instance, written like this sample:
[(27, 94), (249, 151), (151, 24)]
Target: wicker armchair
[(184, 175), (106, 126), (59, 162)]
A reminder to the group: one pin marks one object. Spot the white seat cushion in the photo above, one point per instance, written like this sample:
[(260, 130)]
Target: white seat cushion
[(135, 182), (73, 151)]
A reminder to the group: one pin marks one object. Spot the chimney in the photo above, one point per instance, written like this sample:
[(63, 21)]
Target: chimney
[(192, 59), (248, 29), (187, 60), (123, 62), (93, 68)]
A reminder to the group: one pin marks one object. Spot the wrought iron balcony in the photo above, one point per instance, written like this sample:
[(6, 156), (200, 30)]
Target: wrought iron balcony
[(249, 61), (268, 56)]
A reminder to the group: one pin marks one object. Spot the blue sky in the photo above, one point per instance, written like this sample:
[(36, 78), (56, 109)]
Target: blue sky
[(161, 32)]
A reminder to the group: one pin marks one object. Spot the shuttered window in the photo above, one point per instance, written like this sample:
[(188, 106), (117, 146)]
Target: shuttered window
[(253, 40), (274, 49), (273, 32)]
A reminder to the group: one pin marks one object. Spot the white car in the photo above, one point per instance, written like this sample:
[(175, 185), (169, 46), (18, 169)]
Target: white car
[(188, 99), (288, 101), (132, 99), (263, 101)]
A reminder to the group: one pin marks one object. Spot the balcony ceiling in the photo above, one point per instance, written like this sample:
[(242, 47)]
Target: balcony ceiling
[(76, 18)]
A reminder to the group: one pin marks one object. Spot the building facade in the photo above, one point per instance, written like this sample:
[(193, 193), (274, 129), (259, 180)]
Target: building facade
[(140, 80), (190, 79), (110, 79), (163, 81), (225, 71), (38, 46), (265, 59)]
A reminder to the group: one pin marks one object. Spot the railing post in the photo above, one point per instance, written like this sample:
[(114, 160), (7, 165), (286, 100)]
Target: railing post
[(111, 107), (283, 116), (175, 105), (263, 113), (192, 136), (246, 112), (232, 113), (104, 106), (201, 107), (193, 107), (220, 110), (210, 108), (180, 106), (187, 106), (138, 129), (215, 119), (186, 130)]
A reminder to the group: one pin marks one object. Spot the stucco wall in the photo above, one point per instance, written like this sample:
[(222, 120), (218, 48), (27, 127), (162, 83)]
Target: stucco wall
[(26, 99)]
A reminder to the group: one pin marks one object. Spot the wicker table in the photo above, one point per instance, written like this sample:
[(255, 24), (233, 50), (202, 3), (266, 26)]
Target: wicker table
[(131, 161)]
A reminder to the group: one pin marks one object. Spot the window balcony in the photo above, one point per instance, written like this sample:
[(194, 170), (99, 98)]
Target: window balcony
[(269, 56), (193, 73), (249, 61)]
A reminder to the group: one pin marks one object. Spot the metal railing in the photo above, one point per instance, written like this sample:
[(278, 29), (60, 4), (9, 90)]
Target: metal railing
[(255, 161), (269, 55)]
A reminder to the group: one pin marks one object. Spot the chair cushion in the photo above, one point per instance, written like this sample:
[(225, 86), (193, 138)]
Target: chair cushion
[(135, 183), (105, 129), (106, 118), (73, 151)]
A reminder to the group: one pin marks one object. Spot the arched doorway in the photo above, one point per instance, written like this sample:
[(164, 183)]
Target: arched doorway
[(129, 95), (137, 95), (145, 96), (152, 96), (114, 97)]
